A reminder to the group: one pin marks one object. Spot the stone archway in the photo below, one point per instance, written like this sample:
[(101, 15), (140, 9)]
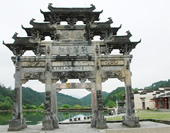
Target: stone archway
[(71, 54)]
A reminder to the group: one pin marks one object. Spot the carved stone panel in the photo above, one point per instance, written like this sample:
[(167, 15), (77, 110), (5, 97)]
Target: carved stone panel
[(72, 63), (72, 50), (71, 34), (33, 64), (69, 68)]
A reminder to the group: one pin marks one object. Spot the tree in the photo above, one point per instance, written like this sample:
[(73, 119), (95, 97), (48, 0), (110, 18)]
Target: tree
[(66, 106), (110, 104), (77, 106)]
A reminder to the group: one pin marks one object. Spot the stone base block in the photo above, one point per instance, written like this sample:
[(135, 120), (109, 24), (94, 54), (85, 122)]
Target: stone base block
[(17, 124), (93, 122), (101, 121), (55, 121), (47, 124), (131, 121)]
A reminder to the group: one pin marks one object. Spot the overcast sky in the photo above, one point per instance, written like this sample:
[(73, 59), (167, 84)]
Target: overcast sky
[(146, 19)]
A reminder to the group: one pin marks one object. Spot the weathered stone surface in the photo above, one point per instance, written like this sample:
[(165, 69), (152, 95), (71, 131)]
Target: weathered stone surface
[(17, 124), (131, 121)]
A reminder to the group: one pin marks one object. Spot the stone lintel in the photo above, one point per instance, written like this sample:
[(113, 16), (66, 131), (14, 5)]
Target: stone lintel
[(74, 85)]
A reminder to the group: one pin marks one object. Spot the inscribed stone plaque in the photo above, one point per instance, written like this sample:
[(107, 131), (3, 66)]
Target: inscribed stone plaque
[(72, 50)]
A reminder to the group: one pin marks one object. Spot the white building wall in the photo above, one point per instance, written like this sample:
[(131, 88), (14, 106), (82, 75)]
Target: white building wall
[(149, 103), (138, 99)]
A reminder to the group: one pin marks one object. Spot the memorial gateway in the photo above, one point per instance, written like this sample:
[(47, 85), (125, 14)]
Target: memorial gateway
[(71, 54)]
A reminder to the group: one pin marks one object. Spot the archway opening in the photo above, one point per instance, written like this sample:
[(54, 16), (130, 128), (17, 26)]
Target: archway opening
[(113, 90)]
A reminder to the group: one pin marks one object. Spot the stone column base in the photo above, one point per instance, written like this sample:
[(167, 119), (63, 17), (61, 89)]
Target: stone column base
[(47, 124), (131, 121), (101, 121), (55, 121), (17, 124), (93, 122), (50, 123)]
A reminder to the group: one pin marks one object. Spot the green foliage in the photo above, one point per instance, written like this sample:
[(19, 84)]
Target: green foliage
[(32, 97), (77, 106), (28, 106), (159, 84), (66, 106), (5, 98), (110, 104), (41, 107), (117, 94), (6, 105)]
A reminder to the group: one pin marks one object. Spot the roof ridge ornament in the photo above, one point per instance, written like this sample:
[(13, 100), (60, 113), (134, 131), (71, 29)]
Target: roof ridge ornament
[(93, 7), (86, 9), (15, 35), (110, 21), (129, 34), (50, 6), (32, 21)]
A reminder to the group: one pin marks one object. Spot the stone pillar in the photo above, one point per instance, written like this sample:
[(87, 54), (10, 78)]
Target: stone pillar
[(94, 107), (17, 122), (100, 121), (54, 107), (50, 120), (129, 119)]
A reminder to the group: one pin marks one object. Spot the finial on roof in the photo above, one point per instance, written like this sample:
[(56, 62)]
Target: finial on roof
[(110, 21), (15, 35), (93, 7), (3, 42), (50, 6), (120, 26), (128, 33), (32, 21), (41, 11), (22, 27)]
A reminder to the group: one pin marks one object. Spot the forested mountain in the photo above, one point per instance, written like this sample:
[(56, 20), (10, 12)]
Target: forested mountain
[(31, 97), (65, 99), (6, 96), (158, 84), (87, 99), (117, 94)]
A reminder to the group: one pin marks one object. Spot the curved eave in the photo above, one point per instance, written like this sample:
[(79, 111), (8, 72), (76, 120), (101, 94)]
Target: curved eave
[(55, 9), (40, 25), (114, 30), (119, 45), (7, 44), (64, 15), (42, 30), (25, 46), (27, 30)]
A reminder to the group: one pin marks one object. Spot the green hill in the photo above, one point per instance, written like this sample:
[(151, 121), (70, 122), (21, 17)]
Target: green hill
[(65, 99), (158, 84), (117, 94), (87, 99), (32, 97)]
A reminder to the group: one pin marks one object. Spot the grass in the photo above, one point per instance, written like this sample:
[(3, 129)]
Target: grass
[(146, 114), (152, 114)]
